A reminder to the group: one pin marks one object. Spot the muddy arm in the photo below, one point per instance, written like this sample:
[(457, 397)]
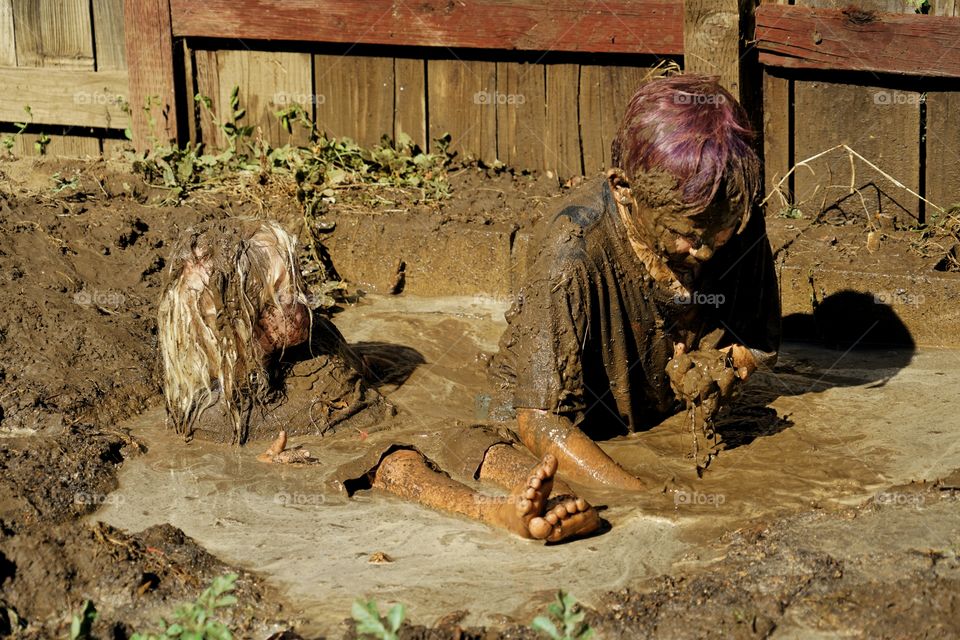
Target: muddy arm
[(580, 459)]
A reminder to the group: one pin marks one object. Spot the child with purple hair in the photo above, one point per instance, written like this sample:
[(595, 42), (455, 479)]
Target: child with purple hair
[(654, 287)]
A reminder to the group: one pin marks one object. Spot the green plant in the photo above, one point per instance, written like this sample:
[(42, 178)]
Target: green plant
[(567, 614), (62, 184), (10, 139), (195, 620), (369, 622), (920, 6), (792, 212), (81, 623)]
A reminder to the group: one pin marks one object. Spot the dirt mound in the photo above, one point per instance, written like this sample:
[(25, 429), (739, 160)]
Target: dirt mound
[(132, 580)]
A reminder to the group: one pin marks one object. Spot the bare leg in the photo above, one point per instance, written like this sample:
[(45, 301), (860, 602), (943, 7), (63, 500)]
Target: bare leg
[(580, 458), (405, 473), (506, 466)]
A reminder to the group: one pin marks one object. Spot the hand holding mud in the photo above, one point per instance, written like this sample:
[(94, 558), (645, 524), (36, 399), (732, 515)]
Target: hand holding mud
[(703, 380)]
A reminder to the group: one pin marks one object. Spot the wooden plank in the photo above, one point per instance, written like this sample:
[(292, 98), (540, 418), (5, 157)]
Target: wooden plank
[(521, 114), (460, 102), (108, 34), (881, 124), (777, 160), (777, 111), (59, 145), (207, 71), (355, 97), (613, 26), (604, 94), (53, 33), (149, 48), (943, 134), (74, 98), (268, 82), (800, 37), (711, 41), (410, 99), (562, 140), (943, 148), (8, 46)]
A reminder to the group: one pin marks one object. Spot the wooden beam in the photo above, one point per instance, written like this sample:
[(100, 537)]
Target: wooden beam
[(711, 40), (149, 45), (64, 97), (600, 26), (847, 40)]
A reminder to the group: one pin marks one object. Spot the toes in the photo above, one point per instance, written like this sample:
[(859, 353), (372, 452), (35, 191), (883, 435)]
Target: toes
[(552, 518), (524, 507), (534, 482), (549, 464), (582, 504), (540, 528)]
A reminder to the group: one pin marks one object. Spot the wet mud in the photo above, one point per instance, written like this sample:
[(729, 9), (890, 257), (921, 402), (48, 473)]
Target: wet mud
[(817, 442), (830, 510)]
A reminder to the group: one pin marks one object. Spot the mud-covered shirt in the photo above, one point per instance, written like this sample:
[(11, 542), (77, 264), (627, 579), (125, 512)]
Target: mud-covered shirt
[(590, 333)]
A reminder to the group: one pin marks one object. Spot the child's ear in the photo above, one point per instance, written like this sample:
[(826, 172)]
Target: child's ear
[(620, 187)]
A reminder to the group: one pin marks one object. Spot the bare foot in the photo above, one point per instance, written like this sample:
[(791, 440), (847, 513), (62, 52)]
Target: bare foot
[(527, 514), (279, 454)]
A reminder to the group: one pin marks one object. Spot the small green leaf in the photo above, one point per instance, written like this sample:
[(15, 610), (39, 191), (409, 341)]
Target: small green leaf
[(543, 624)]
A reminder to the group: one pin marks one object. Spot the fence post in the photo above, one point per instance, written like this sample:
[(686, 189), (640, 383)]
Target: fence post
[(714, 42), (150, 61)]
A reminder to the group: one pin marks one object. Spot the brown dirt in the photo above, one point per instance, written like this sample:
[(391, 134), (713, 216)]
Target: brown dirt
[(82, 269)]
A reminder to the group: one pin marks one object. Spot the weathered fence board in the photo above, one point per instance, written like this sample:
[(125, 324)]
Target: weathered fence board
[(880, 123), (108, 43), (562, 134), (857, 39), (777, 130), (149, 53), (62, 97), (410, 99), (54, 33), (520, 100), (355, 96), (8, 47), (615, 26), (604, 93), (459, 96), (943, 134)]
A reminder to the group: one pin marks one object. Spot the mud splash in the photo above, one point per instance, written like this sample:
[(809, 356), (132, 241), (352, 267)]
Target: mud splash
[(822, 430)]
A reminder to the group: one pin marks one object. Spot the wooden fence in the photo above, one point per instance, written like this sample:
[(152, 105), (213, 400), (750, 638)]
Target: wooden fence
[(533, 84)]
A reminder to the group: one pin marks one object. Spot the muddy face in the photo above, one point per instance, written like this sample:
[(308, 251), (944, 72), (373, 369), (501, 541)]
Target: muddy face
[(685, 239)]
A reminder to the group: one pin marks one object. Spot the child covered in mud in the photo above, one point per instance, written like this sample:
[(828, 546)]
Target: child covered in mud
[(242, 354), (652, 289)]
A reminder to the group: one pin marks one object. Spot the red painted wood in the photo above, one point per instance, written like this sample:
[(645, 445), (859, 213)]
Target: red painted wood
[(836, 39), (600, 26), (149, 47)]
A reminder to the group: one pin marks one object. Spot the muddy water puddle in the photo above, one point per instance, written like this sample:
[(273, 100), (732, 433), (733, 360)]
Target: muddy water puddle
[(823, 429)]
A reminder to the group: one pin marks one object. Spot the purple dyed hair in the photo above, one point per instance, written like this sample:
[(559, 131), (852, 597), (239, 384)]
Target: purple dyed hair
[(692, 128)]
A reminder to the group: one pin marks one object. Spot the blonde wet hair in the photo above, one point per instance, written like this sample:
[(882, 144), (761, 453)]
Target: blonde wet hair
[(223, 276)]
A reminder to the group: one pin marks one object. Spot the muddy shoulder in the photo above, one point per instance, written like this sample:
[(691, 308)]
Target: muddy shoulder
[(82, 271)]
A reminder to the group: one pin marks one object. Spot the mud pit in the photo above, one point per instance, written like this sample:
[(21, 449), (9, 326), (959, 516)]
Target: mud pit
[(844, 431), (814, 522)]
